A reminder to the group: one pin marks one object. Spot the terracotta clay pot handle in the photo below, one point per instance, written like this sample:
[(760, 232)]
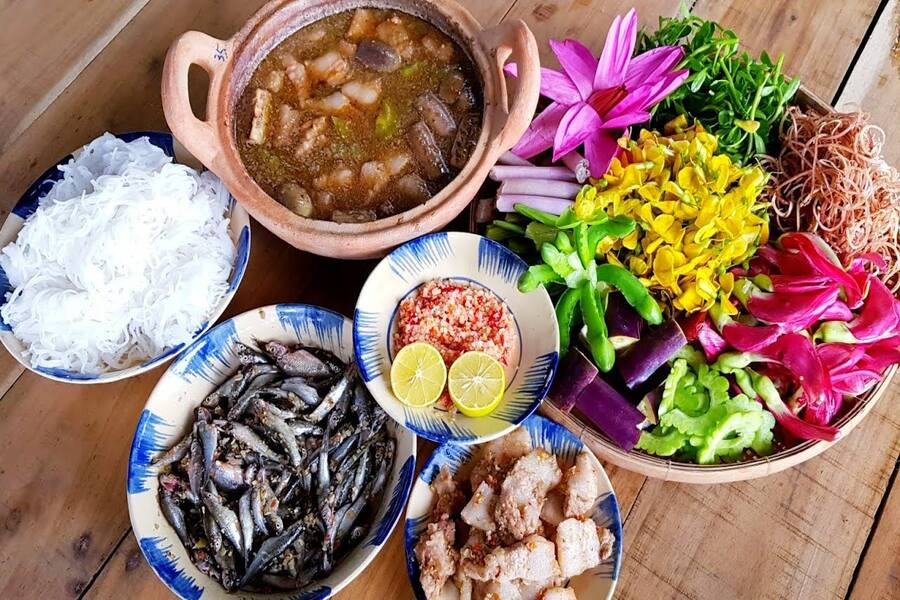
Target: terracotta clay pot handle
[(513, 40), (211, 54)]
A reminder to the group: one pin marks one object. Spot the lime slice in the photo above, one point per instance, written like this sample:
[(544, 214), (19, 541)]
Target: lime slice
[(476, 383), (418, 375)]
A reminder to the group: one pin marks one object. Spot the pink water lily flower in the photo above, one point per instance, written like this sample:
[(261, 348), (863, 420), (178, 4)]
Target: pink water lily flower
[(595, 101)]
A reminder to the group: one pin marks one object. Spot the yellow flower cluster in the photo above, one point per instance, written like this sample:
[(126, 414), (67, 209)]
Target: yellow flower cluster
[(697, 214)]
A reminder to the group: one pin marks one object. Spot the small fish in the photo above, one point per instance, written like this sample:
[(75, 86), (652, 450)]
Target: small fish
[(232, 388), (248, 437), (212, 531), (246, 520), (269, 504), (225, 560), (265, 414), (209, 440), (347, 516), (226, 475), (340, 452), (275, 349), (270, 550), (175, 453), (224, 516), (360, 405), (305, 392), (195, 471), (330, 400), (259, 520), (303, 429), (264, 375), (359, 476), (301, 363), (249, 356), (174, 516)]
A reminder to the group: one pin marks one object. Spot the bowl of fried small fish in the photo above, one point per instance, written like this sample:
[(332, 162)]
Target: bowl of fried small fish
[(261, 464)]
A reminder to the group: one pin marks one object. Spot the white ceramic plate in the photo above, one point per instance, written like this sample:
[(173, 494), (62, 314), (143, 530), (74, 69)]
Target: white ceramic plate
[(595, 584), (481, 262), (239, 228), (169, 413)]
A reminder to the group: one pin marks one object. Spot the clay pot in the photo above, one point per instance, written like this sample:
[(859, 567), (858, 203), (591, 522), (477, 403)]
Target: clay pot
[(230, 64)]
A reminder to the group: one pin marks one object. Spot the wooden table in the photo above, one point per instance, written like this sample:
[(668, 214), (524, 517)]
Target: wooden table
[(71, 69)]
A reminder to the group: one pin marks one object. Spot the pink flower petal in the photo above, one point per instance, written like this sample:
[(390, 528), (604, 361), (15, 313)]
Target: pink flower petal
[(579, 122), (599, 149), (554, 85), (652, 65), (622, 121), (668, 84), (617, 52), (634, 102), (578, 63), (539, 135)]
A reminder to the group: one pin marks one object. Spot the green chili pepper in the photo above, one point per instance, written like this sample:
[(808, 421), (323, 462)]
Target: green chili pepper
[(342, 127), (563, 242), (536, 215), (598, 339), (633, 290), (513, 227), (413, 69), (556, 259), (537, 275), (386, 123), (583, 246), (540, 233), (566, 314), (616, 227)]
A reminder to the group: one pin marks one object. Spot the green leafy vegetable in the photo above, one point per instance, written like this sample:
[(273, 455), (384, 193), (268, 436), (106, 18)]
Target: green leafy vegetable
[(737, 98)]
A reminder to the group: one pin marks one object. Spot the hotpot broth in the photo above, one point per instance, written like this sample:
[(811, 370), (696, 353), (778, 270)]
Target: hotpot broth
[(358, 116)]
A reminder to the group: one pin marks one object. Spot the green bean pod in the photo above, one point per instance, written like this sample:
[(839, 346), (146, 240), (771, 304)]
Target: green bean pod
[(537, 215), (632, 290), (598, 339), (566, 314)]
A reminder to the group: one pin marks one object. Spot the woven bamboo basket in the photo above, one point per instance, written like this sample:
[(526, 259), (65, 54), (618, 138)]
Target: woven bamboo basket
[(672, 470)]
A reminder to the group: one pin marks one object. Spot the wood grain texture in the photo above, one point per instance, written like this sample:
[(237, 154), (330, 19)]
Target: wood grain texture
[(817, 38), (878, 577), (874, 83), (63, 448), (72, 33), (797, 534)]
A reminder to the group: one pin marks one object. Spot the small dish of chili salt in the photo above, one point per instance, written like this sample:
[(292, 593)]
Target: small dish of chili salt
[(456, 292), (456, 317)]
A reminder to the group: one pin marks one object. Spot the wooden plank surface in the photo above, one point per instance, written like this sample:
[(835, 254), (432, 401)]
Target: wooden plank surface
[(62, 511), (71, 33), (874, 84)]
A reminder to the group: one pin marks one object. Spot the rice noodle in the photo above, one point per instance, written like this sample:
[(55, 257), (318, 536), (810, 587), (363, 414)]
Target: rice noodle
[(125, 257), (830, 179)]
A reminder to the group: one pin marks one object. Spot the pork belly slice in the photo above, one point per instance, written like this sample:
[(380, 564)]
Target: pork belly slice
[(262, 114), (559, 593), (496, 457), (449, 498), (522, 493), (581, 545), (437, 557), (479, 512), (532, 559), (580, 487), (331, 67), (496, 590)]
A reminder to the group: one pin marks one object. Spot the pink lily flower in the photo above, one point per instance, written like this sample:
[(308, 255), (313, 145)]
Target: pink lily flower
[(595, 101)]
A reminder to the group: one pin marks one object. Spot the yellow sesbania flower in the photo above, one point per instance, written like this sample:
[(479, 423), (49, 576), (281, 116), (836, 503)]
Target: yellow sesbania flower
[(697, 213)]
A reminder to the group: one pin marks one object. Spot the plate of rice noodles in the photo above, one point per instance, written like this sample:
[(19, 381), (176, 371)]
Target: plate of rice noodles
[(116, 259)]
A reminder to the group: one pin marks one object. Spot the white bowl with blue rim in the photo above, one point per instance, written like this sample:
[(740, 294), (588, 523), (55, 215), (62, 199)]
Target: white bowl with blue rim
[(478, 261), (168, 415), (597, 583), (239, 229)]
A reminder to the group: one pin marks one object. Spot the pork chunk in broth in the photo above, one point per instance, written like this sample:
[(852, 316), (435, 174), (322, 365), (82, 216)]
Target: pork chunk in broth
[(358, 116)]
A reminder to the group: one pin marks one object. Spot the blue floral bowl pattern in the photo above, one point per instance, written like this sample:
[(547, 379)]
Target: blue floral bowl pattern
[(596, 584), (480, 262), (239, 228), (168, 414)]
